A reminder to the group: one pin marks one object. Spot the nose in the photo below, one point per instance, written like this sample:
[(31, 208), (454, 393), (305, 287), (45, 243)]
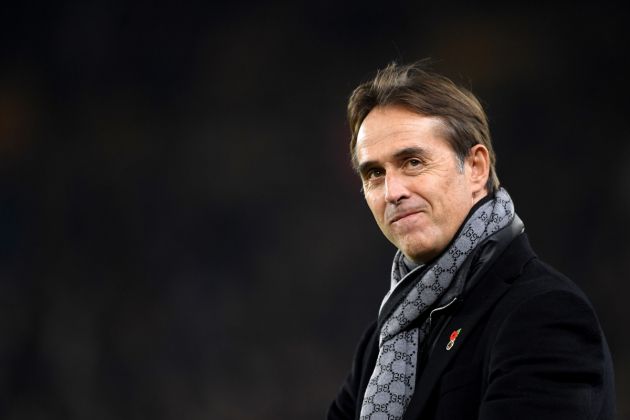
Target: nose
[(395, 188)]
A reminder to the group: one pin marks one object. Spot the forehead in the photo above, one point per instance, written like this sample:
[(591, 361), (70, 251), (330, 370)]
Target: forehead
[(388, 129)]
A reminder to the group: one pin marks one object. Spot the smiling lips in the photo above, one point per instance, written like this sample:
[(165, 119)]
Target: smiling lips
[(401, 215)]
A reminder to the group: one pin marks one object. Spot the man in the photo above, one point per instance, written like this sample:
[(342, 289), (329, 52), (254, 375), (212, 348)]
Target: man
[(474, 325)]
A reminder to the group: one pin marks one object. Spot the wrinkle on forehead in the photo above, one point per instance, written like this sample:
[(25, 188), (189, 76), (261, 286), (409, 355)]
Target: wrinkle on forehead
[(398, 127), (399, 132), (400, 120)]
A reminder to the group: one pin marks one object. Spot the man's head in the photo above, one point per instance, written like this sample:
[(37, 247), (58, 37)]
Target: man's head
[(422, 148)]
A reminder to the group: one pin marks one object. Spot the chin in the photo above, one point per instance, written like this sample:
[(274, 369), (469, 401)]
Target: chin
[(422, 249), (418, 255)]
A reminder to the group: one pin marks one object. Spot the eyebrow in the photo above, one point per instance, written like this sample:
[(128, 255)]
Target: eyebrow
[(411, 151), (399, 155)]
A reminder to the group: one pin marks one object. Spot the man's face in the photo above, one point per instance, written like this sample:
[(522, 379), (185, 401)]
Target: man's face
[(413, 183)]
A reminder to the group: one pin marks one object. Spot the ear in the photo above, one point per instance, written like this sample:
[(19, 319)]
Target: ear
[(478, 165)]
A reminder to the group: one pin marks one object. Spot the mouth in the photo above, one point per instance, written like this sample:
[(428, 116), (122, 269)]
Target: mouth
[(402, 215)]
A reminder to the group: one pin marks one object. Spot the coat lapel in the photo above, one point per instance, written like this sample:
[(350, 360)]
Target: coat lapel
[(480, 300)]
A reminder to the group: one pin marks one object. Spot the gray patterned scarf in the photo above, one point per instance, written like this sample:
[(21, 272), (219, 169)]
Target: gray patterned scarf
[(393, 380)]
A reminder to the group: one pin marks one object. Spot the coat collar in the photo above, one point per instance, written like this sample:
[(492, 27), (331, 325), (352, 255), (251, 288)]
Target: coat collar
[(495, 283)]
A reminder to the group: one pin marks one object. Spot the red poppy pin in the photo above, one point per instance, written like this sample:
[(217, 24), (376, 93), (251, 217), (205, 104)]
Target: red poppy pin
[(452, 338)]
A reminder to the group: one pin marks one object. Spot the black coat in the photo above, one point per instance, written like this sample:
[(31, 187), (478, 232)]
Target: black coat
[(530, 347)]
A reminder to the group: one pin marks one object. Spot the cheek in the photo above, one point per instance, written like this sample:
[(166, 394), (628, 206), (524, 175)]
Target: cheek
[(377, 207), (455, 208)]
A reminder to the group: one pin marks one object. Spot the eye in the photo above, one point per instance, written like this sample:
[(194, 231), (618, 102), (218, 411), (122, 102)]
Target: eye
[(414, 162), (374, 173)]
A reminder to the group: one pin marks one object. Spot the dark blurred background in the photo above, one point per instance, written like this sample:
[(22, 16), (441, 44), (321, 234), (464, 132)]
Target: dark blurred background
[(181, 235)]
